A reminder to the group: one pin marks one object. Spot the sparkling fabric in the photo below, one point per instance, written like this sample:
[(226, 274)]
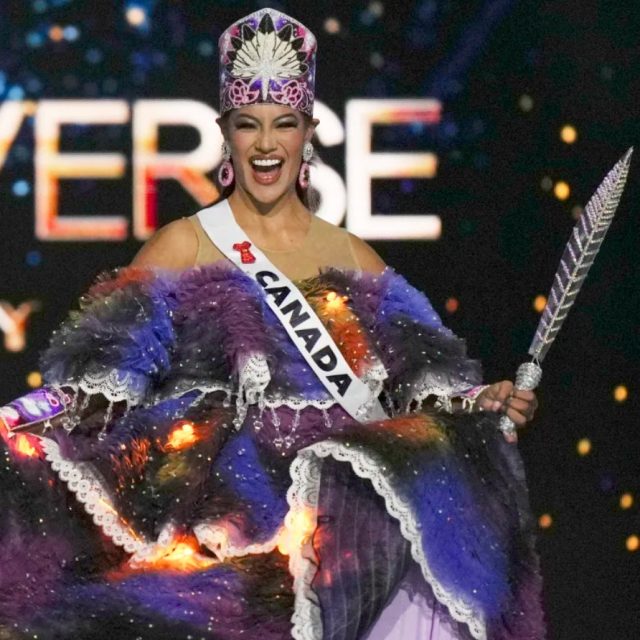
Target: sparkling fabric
[(221, 493)]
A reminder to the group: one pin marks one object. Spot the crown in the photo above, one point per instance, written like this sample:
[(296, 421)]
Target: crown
[(267, 57)]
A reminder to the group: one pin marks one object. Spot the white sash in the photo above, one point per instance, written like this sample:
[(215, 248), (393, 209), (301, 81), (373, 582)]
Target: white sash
[(294, 312)]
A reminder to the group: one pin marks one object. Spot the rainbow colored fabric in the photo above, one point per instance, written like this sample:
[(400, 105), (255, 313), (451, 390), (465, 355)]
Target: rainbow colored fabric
[(179, 441)]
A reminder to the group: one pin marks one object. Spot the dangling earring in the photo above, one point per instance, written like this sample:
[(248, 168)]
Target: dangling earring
[(303, 176), (225, 174)]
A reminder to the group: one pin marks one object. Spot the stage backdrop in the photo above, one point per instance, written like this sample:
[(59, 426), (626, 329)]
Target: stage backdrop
[(484, 125)]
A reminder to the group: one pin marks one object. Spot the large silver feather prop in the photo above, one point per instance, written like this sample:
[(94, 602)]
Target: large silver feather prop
[(579, 254)]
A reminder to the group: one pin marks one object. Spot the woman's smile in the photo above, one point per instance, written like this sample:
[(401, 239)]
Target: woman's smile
[(266, 170)]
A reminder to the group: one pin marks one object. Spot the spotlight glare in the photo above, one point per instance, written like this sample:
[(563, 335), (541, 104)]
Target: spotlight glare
[(633, 543)]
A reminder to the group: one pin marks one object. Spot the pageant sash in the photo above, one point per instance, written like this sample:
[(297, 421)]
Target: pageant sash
[(294, 312)]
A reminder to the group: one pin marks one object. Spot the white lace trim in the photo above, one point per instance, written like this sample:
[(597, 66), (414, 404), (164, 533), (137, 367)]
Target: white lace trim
[(114, 385), (83, 481), (303, 494), (218, 539), (294, 402), (253, 378)]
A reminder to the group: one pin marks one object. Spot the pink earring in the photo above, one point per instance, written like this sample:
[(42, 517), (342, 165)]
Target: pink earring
[(225, 174), (303, 176)]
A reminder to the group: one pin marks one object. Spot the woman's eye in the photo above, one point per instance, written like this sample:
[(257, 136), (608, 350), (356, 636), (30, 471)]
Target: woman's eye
[(244, 125), (289, 124)]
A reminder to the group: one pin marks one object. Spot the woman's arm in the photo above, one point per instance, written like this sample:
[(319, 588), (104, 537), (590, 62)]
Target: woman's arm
[(174, 246)]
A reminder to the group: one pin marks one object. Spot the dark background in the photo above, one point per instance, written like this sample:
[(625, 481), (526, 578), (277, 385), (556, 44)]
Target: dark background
[(510, 75)]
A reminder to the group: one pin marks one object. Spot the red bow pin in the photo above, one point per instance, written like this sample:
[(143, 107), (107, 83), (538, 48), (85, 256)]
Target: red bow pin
[(245, 255)]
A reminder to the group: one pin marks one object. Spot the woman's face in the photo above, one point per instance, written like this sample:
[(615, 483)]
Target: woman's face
[(266, 143)]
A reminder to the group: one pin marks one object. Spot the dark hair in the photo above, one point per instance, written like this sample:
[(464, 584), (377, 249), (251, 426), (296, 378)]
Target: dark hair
[(309, 197)]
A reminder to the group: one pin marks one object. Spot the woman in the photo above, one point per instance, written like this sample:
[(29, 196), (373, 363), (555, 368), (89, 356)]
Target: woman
[(222, 453)]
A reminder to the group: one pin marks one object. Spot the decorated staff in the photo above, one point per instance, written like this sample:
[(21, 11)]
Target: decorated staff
[(578, 256)]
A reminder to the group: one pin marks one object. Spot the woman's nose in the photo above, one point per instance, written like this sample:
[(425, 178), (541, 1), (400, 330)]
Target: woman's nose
[(266, 141)]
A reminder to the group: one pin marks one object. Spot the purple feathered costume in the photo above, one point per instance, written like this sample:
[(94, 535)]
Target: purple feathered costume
[(197, 426)]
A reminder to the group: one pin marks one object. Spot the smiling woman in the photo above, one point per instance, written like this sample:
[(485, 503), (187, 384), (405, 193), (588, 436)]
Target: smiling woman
[(258, 430)]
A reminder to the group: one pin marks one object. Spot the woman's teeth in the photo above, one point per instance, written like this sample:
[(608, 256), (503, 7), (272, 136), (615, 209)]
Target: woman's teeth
[(266, 170), (266, 164)]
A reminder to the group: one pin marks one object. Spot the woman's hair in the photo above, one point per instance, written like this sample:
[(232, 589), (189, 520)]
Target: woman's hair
[(309, 196)]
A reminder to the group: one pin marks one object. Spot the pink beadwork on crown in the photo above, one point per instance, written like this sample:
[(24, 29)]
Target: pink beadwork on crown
[(269, 57)]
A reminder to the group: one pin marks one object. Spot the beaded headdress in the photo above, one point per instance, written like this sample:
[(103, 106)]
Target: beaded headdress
[(269, 57)]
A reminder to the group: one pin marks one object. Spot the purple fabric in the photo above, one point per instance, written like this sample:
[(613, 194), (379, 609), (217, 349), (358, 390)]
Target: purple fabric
[(172, 333)]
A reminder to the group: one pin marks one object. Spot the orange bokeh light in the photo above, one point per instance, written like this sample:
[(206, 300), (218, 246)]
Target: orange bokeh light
[(545, 521), (584, 446), (568, 134), (626, 501), (562, 190), (620, 393), (539, 303), (633, 543), (56, 33), (452, 305)]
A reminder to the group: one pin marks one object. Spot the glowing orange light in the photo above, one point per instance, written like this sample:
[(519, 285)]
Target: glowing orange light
[(136, 16), (584, 447), (56, 33), (626, 501), (34, 379), (24, 447), (182, 555), (633, 543), (300, 526), (185, 557), (562, 190), (451, 305), (182, 436), (620, 393), (539, 303), (334, 301), (545, 521), (568, 134)]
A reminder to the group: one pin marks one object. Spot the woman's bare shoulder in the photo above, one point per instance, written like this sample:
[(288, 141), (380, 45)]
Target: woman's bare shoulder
[(174, 246), (366, 256)]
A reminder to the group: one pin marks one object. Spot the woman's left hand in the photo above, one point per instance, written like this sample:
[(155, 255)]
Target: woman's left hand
[(503, 397)]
